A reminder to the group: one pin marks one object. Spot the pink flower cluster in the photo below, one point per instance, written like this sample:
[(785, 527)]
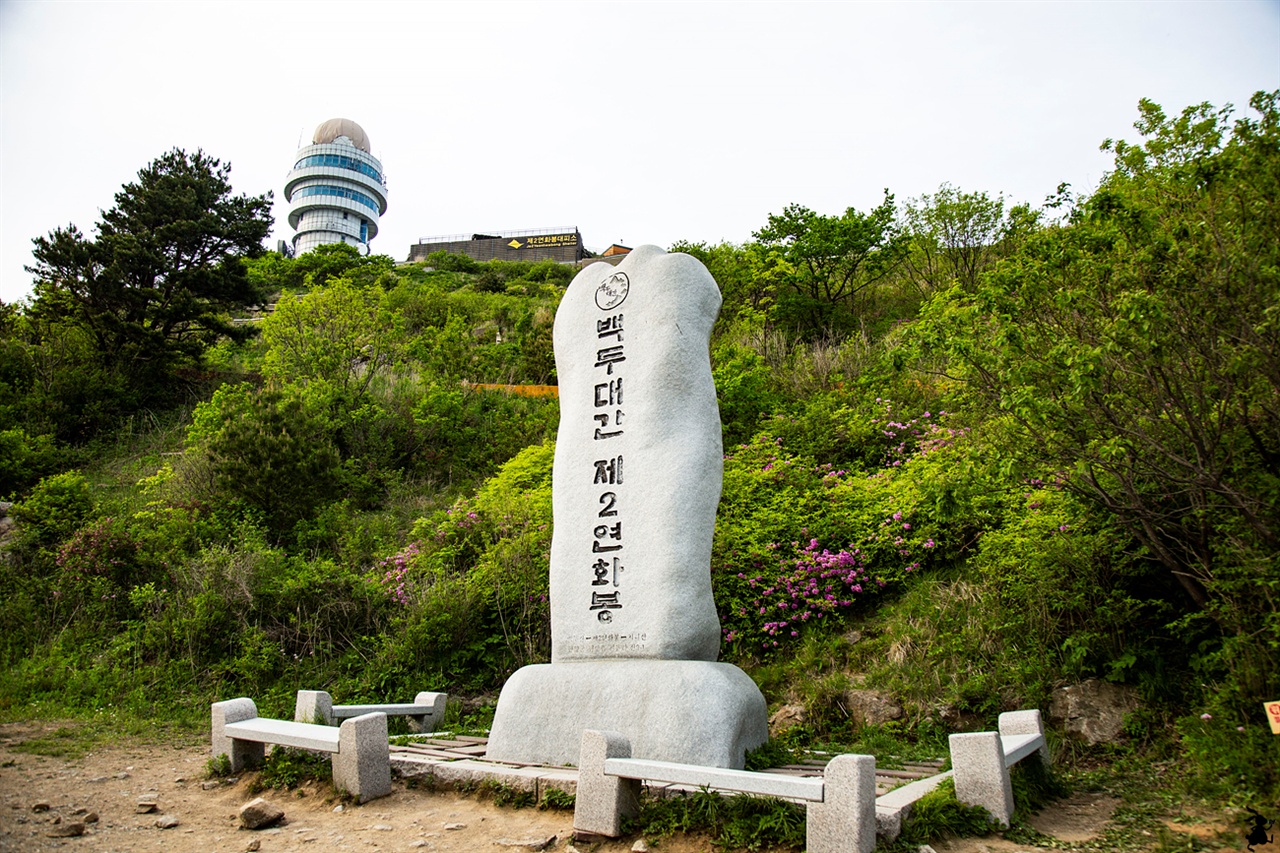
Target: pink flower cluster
[(395, 570), (918, 436), (812, 584)]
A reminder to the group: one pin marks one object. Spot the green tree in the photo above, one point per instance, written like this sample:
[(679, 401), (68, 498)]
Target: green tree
[(336, 336), (1137, 350), (955, 236), (273, 272), (156, 286), (836, 261)]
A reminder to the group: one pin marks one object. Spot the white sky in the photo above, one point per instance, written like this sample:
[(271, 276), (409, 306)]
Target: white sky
[(637, 122)]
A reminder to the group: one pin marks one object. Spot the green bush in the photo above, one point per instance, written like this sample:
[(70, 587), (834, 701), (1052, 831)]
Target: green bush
[(470, 592), (55, 508), (448, 262), (268, 450), (24, 459)]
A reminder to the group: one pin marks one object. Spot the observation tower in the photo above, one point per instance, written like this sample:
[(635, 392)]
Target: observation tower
[(336, 190)]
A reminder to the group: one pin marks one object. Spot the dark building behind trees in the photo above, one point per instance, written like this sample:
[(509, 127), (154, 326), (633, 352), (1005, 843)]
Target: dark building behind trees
[(562, 245)]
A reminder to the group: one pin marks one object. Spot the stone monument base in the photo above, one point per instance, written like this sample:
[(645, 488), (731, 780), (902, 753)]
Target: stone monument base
[(692, 712)]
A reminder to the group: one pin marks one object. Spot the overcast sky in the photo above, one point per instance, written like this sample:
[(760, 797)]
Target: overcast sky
[(636, 122)]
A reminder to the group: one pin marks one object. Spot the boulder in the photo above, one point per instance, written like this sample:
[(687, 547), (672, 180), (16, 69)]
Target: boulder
[(871, 708), (787, 717), (1092, 711)]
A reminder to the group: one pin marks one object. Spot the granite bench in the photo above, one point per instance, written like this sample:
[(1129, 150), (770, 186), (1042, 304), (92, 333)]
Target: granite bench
[(361, 756), (840, 806), (424, 713), (980, 761)]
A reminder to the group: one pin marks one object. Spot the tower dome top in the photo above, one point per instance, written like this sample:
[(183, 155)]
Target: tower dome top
[(330, 130)]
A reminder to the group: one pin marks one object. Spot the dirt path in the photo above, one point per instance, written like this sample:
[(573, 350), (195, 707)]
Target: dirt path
[(112, 780), (41, 795)]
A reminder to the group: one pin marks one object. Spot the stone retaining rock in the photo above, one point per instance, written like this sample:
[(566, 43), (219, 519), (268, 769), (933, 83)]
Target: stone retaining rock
[(1093, 711)]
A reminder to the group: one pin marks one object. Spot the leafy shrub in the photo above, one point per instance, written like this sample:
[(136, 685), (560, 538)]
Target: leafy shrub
[(744, 391), (104, 549), (1233, 754), (55, 508), (773, 577), (269, 451), (1066, 584), (470, 591), (554, 798), (218, 767), (470, 432), (24, 459), (449, 262)]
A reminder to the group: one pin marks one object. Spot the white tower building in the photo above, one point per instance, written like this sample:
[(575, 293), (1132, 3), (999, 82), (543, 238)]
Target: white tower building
[(336, 190)]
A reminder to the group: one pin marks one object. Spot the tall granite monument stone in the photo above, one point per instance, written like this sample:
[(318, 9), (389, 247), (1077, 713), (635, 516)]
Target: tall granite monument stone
[(638, 469)]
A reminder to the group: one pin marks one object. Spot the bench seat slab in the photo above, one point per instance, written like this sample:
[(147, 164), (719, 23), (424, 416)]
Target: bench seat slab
[(1018, 747), (285, 733), (699, 776)]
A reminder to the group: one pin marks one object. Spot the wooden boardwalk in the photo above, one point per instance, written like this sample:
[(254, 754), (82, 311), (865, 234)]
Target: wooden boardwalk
[(463, 747)]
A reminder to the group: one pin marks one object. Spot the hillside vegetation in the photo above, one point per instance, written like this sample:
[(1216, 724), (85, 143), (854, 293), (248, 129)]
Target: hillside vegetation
[(974, 451)]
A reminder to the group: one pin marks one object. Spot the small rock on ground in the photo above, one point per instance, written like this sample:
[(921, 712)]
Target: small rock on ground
[(258, 813), (166, 821), (527, 843), (66, 830)]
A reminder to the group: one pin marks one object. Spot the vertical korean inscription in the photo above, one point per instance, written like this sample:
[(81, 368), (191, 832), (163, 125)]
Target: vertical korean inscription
[(607, 541)]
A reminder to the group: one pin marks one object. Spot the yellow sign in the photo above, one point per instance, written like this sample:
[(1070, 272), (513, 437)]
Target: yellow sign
[(543, 240), (1273, 716), (552, 240)]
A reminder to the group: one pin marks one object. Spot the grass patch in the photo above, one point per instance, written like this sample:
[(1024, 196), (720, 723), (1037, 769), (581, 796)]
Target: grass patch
[(505, 795), (938, 815), (63, 742), (556, 799), (287, 768), (739, 822)]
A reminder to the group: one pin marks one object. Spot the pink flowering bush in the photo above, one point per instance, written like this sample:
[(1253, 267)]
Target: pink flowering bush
[(799, 544), (97, 567)]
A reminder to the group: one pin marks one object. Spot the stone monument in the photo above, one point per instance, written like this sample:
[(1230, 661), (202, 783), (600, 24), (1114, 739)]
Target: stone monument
[(638, 470)]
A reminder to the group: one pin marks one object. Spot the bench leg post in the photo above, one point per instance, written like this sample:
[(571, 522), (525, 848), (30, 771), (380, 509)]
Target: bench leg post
[(242, 753), (980, 774), (428, 722), (845, 820), (314, 706), (362, 764), (1026, 722), (602, 801)]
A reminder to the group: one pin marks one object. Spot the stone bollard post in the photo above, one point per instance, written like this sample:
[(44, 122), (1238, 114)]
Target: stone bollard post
[(602, 801), (980, 774)]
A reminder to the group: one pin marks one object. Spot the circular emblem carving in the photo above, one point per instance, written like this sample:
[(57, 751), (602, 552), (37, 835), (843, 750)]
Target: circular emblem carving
[(612, 291)]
